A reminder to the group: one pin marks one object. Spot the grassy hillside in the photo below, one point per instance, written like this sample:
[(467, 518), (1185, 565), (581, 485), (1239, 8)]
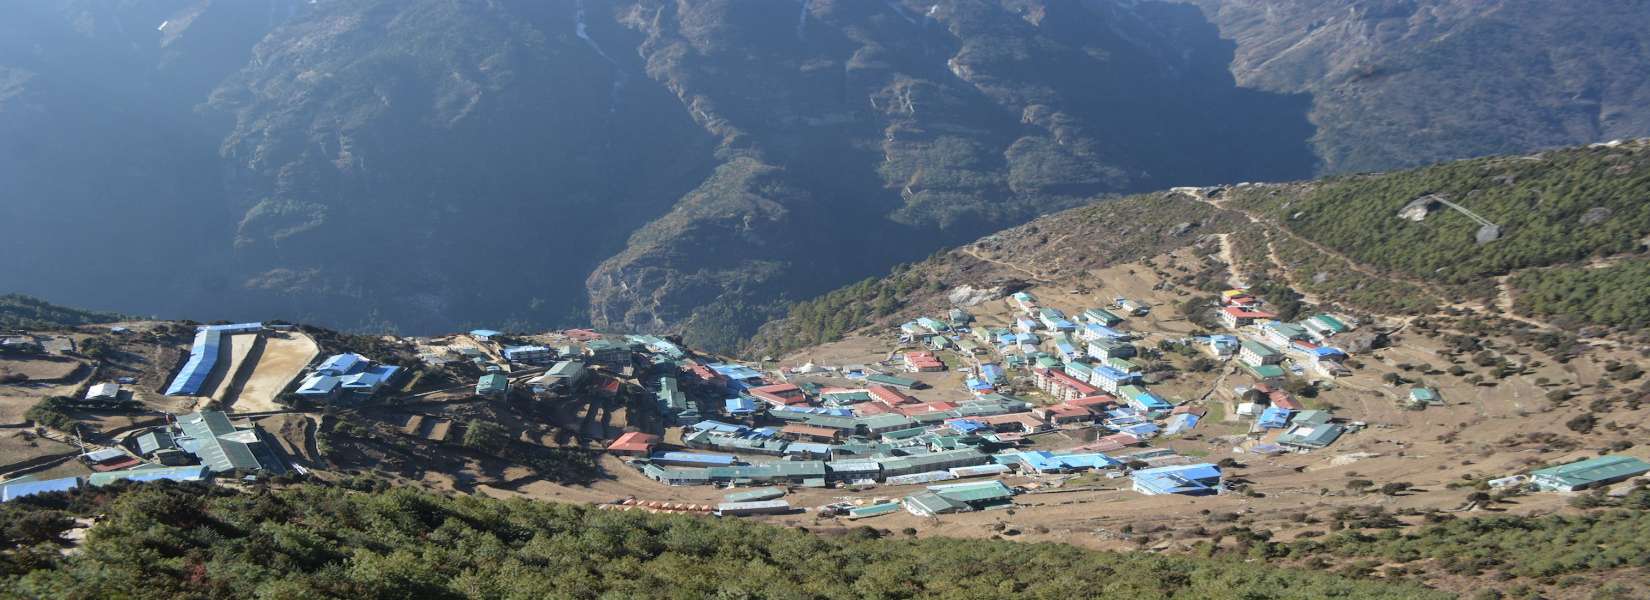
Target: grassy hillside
[(1558, 209), (1053, 246), (1574, 227), (163, 541), (27, 312)]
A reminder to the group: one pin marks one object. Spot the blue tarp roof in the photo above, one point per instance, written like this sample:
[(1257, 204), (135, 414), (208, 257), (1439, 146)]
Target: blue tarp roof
[(1111, 374), (1141, 429), (343, 364), (318, 385), (694, 457), (807, 447), (512, 351), (370, 379), (13, 491), (203, 355), (1179, 423), (1098, 330), (1199, 479), (740, 405), (1092, 460), (991, 372), (735, 372), (1274, 417), (720, 427)]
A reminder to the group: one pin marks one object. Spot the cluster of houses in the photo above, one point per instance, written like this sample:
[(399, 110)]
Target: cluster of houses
[(770, 432), (346, 376), (193, 447)]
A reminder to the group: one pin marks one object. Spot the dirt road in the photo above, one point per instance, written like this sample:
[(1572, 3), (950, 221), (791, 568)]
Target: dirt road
[(272, 366)]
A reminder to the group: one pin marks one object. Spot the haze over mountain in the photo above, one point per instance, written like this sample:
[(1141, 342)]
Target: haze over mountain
[(693, 166)]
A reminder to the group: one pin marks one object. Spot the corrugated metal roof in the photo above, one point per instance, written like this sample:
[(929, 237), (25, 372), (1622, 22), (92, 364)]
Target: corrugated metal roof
[(19, 489), (1594, 470), (184, 473)]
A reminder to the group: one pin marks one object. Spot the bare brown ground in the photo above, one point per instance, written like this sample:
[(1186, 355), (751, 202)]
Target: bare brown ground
[(280, 361)]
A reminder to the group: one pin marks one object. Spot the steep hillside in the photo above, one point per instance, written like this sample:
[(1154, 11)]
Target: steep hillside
[(1563, 243), (1398, 83), (1052, 249), (24, 312), (428, 165), (874, 132), (1570, 227)]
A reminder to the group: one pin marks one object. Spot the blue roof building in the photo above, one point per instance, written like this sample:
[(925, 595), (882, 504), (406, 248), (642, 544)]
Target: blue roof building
[(342, 364), (1274, 418), (203, 357), (151, 473), (1189, 480), (28, 487), (692, 459), (740, 406)]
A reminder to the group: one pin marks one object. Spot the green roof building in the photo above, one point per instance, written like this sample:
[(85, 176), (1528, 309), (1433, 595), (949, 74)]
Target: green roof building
[(928, 504), (1264, 372), (492, 384), (221, 447), (899, 382), (976, 494), (1593, 472)]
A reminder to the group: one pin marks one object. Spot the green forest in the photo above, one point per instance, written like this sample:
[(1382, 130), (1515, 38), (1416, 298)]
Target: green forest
[(1612, 295), (195, 541), (27, 312), (1558, 208)]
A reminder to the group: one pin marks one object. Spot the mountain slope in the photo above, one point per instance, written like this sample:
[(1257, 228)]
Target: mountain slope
[(1567, 245), (23, 312), (695, 166), (1399, 83)]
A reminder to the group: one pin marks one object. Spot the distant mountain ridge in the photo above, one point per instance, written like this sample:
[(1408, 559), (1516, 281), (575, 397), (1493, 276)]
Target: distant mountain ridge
[(691, 167)]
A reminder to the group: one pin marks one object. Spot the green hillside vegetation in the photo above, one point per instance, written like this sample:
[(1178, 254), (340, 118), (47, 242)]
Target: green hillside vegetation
[(1560, 207), (1068, 242), (1596, 541), (171, 541), (829, 317), (1612, 295), (27, 312)]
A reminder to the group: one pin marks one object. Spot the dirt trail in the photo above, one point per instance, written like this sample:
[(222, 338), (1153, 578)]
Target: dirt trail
[(1226, 256), (969, 250)]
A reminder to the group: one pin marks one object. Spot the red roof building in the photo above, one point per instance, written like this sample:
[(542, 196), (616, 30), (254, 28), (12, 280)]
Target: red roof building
[(1025, 422), (889, 396), (923, 362), (801, 431), (1063, 387), (1279, 398), (921, 408), (871, 408), (1063, 413), (634, 443), (1237, 316), (779, 394), (1095, 403)]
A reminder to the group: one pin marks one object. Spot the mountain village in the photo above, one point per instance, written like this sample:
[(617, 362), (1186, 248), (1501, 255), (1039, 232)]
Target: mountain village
[(1038, 398)]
